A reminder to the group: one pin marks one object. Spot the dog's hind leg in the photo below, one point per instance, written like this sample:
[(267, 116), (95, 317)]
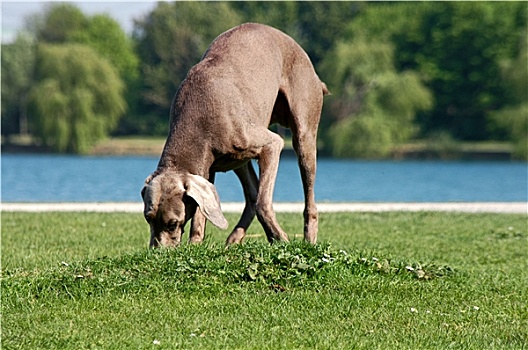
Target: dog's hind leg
[(305, 146), (304, 138)]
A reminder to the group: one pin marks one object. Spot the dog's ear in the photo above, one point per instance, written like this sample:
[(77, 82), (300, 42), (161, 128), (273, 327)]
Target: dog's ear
[(150, 193), (204, 193)]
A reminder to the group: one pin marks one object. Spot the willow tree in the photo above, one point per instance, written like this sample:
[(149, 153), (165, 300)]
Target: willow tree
[(17, 68), (77, 98), (65, 23), (373, 106)]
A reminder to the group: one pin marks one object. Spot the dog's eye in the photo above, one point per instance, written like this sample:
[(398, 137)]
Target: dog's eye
[(171, 226)]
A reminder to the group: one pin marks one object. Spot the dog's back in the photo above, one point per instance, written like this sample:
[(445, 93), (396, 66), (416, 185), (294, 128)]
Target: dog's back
[(241, 77), (256, 52)]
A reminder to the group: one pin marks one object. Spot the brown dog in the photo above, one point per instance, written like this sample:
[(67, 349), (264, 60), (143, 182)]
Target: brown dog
[(250, 77)]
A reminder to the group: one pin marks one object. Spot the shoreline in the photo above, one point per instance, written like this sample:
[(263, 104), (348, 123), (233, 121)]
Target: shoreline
[(323, 207), (153, 146)]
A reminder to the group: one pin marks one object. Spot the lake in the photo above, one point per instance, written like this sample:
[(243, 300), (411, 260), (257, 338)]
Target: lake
[(58, 178)]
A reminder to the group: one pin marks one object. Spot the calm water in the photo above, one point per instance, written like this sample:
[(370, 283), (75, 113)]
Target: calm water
[(49, 178)]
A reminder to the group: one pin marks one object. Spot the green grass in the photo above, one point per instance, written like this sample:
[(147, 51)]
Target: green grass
[(376, 281)]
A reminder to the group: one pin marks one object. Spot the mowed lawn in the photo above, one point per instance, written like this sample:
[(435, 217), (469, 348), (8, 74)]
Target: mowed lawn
[(375, 281)]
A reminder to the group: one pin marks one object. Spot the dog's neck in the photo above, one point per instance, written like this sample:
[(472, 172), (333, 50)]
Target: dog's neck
[(185, 153)]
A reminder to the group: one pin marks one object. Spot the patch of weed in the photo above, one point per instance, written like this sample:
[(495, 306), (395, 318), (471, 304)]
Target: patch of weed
[(278, 266)]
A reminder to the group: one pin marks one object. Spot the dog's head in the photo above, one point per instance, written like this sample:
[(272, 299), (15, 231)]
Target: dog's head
[(171, 200)]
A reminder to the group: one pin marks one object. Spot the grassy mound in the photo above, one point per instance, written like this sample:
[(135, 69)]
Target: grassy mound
[(191, 267)]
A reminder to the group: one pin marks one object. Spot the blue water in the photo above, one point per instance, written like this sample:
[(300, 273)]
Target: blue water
[(50, 178)]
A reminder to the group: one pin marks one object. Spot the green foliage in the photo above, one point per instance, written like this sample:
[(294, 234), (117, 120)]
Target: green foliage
[(475, 37), (322, 23), (385, 64), (170, 40), (279, 14), (374, 106), (65, 23), (104, 34), (18, 59), (399, 280), (457, 47), (367, 136), (77, 102), (513, 118), (58, 23)]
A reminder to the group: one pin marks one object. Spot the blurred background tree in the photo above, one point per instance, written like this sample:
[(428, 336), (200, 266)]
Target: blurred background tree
[(58, 23), (65, 23), (398, 71), (373, 106), (18, 61), (170, 40), (512, 119), (457, 48), (77, 102)]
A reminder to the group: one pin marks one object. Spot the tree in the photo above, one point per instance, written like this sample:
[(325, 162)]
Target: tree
[(104, 34), (282, 15), (466, 47), (323, 23), (512, 119), (77, 102), (373, 107), (457, 48), (65, 23), (18, 59), (58, 23), (170, 40)]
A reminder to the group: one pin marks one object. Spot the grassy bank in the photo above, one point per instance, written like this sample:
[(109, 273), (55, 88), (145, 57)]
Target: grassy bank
[(388, 280), (153, 146), (415, 150)]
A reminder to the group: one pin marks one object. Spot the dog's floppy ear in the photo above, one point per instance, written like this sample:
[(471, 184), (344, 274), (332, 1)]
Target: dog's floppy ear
[(150, 193), (204, 193)]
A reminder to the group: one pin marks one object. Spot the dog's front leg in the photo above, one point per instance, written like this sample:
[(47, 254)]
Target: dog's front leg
[(198, 222), (197, 232)]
